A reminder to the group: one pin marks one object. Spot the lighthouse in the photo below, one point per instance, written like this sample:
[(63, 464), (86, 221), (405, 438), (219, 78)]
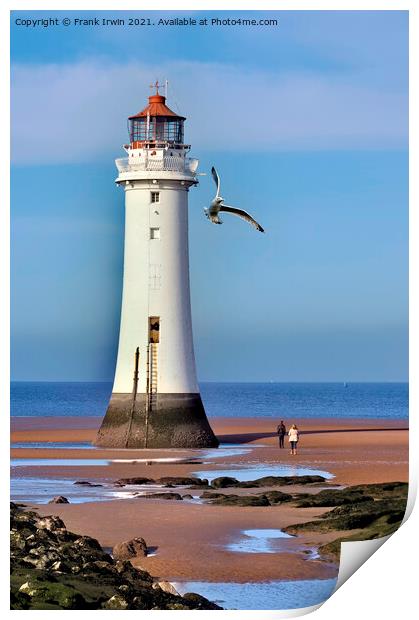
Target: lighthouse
[(155, 401)]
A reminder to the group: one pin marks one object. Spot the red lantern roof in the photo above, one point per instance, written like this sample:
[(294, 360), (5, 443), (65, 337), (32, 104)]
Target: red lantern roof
[(156, 107)]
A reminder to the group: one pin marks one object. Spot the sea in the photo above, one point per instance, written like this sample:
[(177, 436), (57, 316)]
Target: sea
[(270, 400)]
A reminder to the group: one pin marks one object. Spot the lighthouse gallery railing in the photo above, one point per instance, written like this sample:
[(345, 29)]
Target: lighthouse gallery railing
[(171, 164)]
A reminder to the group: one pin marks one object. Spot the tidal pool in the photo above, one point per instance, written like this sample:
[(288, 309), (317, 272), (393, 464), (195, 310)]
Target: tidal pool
[(266, 595), (259, 541)]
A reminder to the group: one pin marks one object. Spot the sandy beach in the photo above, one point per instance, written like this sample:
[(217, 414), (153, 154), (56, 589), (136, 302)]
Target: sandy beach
[(191, 539)]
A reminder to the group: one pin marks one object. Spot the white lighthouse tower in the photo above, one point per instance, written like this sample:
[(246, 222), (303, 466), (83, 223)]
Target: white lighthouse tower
[(155, 399)]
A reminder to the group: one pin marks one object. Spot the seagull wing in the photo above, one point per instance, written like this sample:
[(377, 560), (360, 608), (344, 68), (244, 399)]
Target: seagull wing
[(243, 215), (216, 179)]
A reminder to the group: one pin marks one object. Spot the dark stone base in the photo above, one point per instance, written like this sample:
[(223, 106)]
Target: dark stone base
[(174, 421)]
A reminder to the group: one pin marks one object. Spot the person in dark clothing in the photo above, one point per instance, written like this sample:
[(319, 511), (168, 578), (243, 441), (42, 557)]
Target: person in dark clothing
[(281, 430)]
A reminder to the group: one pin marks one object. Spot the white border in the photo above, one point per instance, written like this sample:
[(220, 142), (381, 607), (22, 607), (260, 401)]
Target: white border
[(385, 586)]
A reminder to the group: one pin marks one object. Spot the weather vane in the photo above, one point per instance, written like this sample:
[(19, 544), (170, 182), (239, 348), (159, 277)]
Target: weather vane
[(156, 86)]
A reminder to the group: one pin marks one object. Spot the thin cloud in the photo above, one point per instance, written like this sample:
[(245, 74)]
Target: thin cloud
[(77, 112)]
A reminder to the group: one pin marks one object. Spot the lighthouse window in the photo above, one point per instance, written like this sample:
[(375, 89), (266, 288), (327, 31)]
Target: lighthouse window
[(155, 233), (155, 196)]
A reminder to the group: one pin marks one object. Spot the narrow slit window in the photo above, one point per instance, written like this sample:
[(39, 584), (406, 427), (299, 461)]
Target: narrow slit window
[(155, 197), (154, 233)]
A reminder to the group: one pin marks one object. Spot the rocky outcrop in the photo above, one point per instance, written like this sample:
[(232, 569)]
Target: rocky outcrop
[(60, 499), (182, 481), (170, 496), (134, 481), (130, 549), (240, 500), (224, 482), (166, 586), (268, 498), (376, 510), (52, 568)]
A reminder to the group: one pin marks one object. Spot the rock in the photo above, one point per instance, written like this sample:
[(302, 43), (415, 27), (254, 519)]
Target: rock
[(240, 500), (199, 600), (170, 496), (130, 549), (50, 523), (187, 496), (166, 586), (332, 498), (57, 569), (275, 481), (126, 481), (47, 594), (17, 540), (99, 568), (181, 481), (210, 495), (266, 499), (376, 510), (27, 588), (115, 602), (88, 484), (60, 499), (277, 497), (19, 600), (223, 482), (133, 575)]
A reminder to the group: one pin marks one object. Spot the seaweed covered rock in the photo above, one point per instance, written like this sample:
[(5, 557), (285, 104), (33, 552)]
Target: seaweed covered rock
[(333, 497), (239, 500), (277, 497), (374, 510), (52, 568), (224, 482), (276, 481), (268, 498)]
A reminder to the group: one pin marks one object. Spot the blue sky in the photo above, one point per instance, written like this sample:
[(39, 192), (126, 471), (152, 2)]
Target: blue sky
[(307, 125)]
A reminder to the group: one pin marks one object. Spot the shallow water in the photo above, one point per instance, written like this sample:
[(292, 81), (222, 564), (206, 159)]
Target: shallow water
[(57, 462), (76, 445), (42, 490), (254, 471), (217, 453), (266, 595), (225, 450), (259, 541)]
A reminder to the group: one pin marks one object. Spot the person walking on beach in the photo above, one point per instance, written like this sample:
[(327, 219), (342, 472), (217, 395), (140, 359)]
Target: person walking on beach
[(293, 435), (281, 430)]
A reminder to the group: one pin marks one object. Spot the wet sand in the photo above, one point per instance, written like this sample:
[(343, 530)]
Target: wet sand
[(191, 539)]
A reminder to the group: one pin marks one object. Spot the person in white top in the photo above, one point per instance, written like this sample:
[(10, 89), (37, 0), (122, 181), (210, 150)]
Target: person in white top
[(293, 435)]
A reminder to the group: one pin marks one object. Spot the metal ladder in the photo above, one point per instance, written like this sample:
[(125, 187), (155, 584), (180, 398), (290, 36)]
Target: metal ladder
[(151, 387), (153, 368)]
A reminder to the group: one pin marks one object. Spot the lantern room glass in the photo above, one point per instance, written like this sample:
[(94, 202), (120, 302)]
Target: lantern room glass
[(159, 129)]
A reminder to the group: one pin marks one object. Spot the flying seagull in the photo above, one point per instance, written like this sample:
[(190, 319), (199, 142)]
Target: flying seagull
[(218, 205)]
